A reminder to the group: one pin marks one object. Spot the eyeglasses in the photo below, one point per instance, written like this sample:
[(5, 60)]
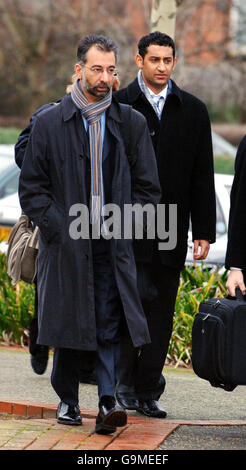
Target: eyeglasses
[(97, 70)]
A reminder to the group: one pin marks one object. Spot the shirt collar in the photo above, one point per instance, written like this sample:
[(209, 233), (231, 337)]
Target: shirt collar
[(163, 93)]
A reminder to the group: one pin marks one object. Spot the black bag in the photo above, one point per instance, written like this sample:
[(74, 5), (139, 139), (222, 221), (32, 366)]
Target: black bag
[(219, 342)]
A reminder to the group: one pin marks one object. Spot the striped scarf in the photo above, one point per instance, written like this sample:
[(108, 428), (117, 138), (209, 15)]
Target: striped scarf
[(92, 112)]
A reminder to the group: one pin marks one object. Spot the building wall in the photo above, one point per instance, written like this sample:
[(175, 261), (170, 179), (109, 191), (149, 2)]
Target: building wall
[(203, 31)]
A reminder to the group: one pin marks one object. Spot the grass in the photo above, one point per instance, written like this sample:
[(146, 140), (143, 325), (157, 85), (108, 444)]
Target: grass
[(224, 164), (9, 135), (231, 114)]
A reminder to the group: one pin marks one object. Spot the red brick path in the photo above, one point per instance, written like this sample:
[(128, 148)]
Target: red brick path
[(33, 426)]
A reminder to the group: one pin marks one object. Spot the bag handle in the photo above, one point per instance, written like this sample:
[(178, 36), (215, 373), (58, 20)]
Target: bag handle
[(33, 242), (239, 295)]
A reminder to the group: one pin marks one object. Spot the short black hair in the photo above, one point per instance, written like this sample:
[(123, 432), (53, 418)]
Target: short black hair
[(160, 39), (101, 42)]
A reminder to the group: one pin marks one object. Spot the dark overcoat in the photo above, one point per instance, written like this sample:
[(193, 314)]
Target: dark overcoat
[(183, 147), (52, 180), (236, 246)]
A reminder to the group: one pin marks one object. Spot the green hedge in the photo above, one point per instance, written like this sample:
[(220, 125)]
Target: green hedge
[(196, 285), (224, 164), (9, 135)]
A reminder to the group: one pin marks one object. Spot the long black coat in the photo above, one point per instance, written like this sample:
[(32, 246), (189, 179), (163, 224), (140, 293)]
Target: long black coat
[(52, 180), (183, 147), (236, 246)]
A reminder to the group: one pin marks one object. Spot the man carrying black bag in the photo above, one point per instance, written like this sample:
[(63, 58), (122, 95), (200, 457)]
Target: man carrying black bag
[(219, 329), (236, 247)]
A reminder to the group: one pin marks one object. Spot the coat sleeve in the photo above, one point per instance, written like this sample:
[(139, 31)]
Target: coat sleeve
[(203, 200), (20, 146), (236, 245), (145, 180), (35, 186)]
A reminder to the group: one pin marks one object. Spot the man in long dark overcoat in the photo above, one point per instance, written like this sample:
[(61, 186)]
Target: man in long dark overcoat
[(87, 288), (236, 247), (179, 125)]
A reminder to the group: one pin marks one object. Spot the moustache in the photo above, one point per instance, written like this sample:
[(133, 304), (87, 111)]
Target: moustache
[(102, 84)]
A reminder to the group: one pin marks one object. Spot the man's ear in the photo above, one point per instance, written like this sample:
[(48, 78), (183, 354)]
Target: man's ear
[(139, 61), (175, 62), (78, 71)]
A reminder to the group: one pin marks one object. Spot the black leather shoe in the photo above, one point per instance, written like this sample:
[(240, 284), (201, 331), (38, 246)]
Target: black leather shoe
[(39, 361), (128, 403), (67, 414), (109, 417), (151, 408)]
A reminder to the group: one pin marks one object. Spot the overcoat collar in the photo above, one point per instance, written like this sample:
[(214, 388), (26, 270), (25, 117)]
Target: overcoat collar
[(134, 91), (69, 109)]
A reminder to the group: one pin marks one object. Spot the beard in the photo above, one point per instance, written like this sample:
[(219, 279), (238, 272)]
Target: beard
[(94, 90)]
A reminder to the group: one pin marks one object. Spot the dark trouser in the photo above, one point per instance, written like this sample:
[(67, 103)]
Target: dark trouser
[(33, 327), (87, 358), (141, 375), (109, 320)]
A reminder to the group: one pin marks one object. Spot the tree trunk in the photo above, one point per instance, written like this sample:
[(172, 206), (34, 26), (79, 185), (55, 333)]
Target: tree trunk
[(163, 16)]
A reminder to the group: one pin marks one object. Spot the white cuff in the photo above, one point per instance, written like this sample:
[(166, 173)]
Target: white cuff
[(235, 269)]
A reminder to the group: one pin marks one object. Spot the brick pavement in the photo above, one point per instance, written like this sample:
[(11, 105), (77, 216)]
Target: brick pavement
[(26, 425)]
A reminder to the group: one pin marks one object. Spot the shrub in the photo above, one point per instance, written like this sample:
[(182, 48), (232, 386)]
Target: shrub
[(197, 284), (16, 307)]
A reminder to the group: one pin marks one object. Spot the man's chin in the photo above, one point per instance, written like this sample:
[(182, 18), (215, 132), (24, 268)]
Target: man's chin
[(99, 93), (160, 84)]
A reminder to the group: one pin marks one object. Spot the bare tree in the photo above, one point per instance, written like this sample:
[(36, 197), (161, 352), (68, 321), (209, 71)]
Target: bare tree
[(37, 53), (163, 16), (39, 42)]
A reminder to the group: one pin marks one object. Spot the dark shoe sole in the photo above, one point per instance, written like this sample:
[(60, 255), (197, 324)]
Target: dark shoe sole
[(129, 407), (70, 423), (160, 415), (100, 429), (117, 418)]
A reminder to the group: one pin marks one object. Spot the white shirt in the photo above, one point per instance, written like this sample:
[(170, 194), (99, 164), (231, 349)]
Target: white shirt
[(155, 97)]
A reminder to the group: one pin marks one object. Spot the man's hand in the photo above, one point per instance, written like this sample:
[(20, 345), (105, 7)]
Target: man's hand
[(235, 279), (204, 249)]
